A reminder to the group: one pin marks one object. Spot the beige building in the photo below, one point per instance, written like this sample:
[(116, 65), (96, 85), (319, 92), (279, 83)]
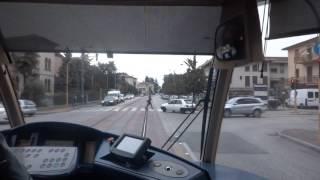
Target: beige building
[(275, 75), (144, 88), (303, 64)]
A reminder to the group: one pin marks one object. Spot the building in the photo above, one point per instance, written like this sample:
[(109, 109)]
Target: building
[(274, 76), (129, 79), (47, 69), (303, 64), (145, 87)]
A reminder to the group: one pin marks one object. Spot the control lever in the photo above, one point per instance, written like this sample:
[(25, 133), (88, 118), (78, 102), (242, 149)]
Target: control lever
[(10, 167)]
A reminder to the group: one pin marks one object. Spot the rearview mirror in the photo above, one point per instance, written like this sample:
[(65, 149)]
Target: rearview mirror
[(230, 40)]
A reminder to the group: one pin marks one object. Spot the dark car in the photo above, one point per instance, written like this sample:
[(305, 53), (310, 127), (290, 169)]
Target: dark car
[(109, 100)]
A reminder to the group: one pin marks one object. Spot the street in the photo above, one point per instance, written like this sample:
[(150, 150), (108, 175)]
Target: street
[(250, 144)]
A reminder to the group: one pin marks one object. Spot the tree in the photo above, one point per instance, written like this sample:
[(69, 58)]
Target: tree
[(26, 64)]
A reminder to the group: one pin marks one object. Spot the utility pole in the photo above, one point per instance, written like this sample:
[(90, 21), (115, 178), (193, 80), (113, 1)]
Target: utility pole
[(295, 85), (82, 76), (68, 59)]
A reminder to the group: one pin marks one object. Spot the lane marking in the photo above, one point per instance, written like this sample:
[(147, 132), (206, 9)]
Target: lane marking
[(134, 109), (142, 109), (124, 109), (160, 110), (116, 109)]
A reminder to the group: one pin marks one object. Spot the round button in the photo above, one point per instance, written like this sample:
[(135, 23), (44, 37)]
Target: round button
[(57, 150), (39, 150), (33, 150), (179, 172), (42, 166), (168, 168), (28, 150), (49, 165), (58, 159), (62, 164), (52, 159), (64, 159), (156, 164), (50, 150), (45, 160), (66, 154), (63, 150)]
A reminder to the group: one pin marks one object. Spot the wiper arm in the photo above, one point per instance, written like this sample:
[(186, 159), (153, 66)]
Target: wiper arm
[(180, 125)]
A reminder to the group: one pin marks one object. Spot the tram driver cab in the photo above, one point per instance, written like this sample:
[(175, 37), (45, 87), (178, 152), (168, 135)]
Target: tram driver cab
[(226, 29)]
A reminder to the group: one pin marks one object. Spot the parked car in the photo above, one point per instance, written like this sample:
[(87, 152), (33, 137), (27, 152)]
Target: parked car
[(121, 98), (3, 113), (165, 97), (109, 100), (178, 105), (245, 105), (28, 107)]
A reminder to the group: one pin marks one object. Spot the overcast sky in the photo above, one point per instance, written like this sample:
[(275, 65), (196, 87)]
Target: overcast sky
[(156, 66)]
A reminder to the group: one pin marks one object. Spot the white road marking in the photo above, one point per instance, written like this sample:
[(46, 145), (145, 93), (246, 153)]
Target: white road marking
[(134, 109), (124, 109), (142, 109), (117, 109)]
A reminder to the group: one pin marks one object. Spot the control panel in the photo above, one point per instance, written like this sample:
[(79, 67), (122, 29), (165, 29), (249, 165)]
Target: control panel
[(47, 160)]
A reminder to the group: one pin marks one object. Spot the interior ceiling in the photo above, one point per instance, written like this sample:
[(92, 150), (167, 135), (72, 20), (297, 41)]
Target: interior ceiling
[(114, 28)]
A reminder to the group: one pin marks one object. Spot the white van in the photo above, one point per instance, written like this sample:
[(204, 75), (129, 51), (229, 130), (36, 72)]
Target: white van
[(305, 98), (115, 94)]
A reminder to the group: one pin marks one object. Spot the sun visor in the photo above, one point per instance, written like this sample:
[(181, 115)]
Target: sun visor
[(118, 29), (294, 17)]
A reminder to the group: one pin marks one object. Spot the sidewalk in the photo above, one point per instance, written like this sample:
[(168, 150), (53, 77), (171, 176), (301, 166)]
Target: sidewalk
[(63, 108), (308, 138)]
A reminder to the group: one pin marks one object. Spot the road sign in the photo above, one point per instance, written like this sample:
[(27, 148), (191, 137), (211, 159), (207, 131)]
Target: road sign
[(316, 48)]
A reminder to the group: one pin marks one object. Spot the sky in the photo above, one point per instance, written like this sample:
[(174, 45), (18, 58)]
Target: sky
[(156, 66)]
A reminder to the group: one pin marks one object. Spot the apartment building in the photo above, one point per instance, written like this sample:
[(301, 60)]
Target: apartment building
[(304, 64)]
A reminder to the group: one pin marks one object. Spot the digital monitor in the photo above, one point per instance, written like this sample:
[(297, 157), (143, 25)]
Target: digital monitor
[(130, 148)]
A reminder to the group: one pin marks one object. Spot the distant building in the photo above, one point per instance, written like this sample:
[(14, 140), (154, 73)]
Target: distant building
[(129, 79), (304, 64), (145, 87), (47, 69), (274, 76)]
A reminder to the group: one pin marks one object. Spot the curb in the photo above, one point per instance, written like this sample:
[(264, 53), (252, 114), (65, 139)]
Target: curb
[(301, 142)]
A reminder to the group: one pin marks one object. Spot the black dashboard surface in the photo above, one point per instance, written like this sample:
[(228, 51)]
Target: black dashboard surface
[(92, 155)]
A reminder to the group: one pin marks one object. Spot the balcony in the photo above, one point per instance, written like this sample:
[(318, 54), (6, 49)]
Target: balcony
[(306, 82), (306, 57)]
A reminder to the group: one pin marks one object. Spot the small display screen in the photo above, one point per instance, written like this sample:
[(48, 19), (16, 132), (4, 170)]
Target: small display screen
[(129, 144)]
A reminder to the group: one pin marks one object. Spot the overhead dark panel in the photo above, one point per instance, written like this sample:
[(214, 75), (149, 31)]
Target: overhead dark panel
[(294, 17), (119, 29)]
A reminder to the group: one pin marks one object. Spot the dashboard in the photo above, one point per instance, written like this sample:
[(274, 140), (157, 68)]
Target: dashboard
[(58, 150)]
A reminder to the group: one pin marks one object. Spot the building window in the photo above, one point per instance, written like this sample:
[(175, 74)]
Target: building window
[(47, 85), (265, 67), (281, 68), (273, 70), (247, 81), (255, 68), (247, 69), (47, 64), (254, 80), (265, 80), (297, 73)]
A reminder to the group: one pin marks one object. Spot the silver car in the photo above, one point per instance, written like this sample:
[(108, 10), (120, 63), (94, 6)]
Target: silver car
[(28, 107), (3, 113), (244, 106)]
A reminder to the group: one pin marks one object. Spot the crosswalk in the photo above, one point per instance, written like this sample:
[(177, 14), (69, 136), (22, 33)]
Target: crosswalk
[(116, 109)]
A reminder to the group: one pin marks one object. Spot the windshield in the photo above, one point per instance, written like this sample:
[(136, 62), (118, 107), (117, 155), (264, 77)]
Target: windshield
[(277, 139)]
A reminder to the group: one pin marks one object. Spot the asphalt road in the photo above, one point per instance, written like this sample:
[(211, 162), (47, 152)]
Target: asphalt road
[(250, 144)]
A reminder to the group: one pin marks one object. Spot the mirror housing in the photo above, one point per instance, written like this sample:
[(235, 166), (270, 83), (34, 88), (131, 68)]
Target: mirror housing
[(230, 40), (238, 39)]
